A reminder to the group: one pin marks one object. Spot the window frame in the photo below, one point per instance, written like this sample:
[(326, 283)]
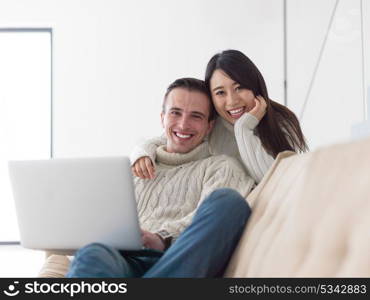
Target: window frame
[(50, 31)]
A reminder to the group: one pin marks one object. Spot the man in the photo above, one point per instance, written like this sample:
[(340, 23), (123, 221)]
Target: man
[(181, 208)]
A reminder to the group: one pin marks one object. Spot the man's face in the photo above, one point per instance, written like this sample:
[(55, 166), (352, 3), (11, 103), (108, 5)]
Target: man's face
[(185, 120)]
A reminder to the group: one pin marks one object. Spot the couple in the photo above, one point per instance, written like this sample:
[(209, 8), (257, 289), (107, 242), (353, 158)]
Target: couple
[(193, 208)]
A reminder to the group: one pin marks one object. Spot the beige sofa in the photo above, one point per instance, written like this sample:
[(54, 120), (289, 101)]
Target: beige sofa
[(310, 218)]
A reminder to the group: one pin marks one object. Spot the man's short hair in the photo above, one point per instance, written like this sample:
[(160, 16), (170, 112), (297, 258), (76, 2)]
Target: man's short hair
[(191, 84)]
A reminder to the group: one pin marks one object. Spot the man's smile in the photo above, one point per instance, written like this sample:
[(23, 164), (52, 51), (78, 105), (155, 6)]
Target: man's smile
[(183, 135)]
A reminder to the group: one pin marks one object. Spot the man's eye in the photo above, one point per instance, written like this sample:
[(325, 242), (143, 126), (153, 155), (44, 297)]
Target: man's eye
[(238, 88), (175, 113)]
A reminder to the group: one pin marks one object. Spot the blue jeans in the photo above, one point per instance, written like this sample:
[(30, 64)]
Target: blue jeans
[(202, 250)]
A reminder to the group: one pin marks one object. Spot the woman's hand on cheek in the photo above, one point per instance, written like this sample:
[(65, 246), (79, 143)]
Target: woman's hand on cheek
[(259, 109)]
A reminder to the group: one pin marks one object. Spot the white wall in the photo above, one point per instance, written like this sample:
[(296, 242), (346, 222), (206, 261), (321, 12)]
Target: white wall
[(336, 100), (113, 59)]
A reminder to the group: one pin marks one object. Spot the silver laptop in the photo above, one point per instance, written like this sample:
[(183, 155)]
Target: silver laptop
[(64, 204)]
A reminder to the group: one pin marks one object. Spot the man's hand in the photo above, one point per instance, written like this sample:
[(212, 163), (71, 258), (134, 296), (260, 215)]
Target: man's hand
[(143, 168), (259, 110), (151, 240)]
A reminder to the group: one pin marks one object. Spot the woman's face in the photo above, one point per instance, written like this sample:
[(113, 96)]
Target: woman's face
[(230, 99)]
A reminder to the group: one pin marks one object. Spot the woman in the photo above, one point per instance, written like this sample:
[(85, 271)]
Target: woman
[(250, 126)]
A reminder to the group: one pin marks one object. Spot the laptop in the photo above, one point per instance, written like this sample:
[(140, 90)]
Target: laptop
[(65, 204)]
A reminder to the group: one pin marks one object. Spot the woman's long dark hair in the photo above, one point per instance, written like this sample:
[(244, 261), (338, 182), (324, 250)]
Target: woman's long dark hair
[(279, 129)]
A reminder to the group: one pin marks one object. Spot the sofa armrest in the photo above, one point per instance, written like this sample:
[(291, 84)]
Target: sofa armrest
[(55, 266)]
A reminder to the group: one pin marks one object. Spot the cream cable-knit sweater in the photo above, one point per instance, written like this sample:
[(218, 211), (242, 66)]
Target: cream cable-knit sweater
[(238, 141), (182, 181)]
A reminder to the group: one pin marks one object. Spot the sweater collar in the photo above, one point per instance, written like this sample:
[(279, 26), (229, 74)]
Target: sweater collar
[(227, 125), (175, 159)]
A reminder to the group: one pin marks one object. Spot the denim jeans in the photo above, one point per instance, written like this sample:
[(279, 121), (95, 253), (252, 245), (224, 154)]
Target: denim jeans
[(203, 249)]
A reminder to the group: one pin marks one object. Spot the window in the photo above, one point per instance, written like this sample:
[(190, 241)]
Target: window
[(25, 109)]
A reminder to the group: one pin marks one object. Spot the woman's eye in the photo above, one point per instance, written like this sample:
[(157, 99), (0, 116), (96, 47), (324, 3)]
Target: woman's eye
[(238, 88), (219, 93)]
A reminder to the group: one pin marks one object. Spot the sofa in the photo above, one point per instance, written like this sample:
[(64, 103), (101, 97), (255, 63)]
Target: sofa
[(310, 218)]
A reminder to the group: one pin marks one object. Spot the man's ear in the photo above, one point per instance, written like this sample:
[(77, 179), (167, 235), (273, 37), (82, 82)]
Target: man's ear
[(211, 124), (162, 119)]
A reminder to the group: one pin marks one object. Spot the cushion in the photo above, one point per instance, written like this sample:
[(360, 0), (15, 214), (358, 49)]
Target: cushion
[(55, 266), (310, 217)]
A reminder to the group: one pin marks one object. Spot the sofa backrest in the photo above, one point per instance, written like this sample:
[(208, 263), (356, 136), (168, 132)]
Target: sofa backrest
[(310, 217)]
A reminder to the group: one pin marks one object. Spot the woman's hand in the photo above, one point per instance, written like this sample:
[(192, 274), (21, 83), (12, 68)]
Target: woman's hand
[(143, 168), (259, 109)]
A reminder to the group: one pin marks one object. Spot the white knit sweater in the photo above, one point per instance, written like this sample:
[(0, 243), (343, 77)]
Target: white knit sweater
[(238, 141), (182, 181)]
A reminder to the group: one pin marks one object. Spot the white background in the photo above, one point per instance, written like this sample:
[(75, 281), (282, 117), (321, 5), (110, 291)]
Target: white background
[(114, 59), (25, 76)]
